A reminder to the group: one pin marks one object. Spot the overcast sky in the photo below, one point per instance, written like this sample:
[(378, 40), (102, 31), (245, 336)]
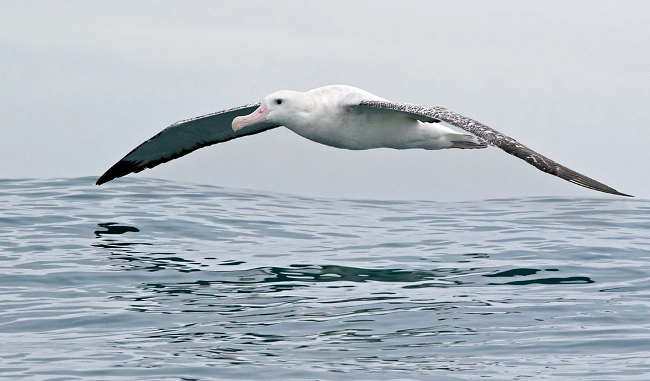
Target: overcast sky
[(84, 82)]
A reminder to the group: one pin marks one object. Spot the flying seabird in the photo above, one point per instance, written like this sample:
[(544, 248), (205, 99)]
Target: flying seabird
[(339, 116)]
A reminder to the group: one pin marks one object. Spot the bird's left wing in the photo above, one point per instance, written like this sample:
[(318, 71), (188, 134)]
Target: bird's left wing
[(183, 137), (494, 138)]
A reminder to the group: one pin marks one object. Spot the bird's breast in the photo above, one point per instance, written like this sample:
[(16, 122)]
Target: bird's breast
[(358, 131)]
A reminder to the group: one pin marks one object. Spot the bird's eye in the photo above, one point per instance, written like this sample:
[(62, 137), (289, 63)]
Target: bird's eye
[(278, 101)]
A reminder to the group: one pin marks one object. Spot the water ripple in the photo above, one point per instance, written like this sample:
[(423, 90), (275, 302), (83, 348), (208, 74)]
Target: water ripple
[(147, 279)]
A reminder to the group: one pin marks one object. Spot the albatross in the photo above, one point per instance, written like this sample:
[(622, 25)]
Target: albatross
[(340, 116)]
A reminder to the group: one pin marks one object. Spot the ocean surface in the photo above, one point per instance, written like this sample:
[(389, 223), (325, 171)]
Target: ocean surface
[(155, 280)]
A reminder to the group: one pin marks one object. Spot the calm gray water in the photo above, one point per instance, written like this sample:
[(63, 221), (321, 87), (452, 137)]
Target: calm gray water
[(154, 280)]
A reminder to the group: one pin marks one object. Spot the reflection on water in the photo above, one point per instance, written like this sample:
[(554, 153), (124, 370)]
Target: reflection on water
[(114, 228), (157, 261), (528, 272)]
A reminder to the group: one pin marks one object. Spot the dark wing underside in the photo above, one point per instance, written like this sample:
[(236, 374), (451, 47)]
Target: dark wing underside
[(181, 138), (497, 139)]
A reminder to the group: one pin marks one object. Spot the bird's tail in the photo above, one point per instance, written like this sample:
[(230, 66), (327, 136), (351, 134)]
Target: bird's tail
[(465, 141)]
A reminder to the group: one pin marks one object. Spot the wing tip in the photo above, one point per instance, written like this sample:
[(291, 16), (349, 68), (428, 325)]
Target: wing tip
[(103, 179), (599, 187), (623, 194), (121, 168), (611, 191)]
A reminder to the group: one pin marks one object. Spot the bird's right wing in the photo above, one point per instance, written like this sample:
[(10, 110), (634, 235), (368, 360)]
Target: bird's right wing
[(183, 137)]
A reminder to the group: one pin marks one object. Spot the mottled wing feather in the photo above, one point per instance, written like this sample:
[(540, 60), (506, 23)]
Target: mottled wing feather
[(181, 138), (497, 139)]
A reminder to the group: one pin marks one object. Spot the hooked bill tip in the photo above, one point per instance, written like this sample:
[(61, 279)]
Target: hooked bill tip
[(235, 124)]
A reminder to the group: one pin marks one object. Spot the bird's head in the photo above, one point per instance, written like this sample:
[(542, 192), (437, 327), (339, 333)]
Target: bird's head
[(283, 107)]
